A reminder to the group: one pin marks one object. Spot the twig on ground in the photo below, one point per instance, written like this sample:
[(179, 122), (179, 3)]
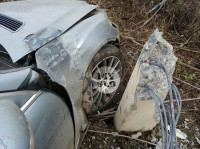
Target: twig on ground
[(190, 110), (187, 83), (104, 115), (189, 66), (131, 38), (156, 6), (115, 134), (85, 133), (185, 49), (192, 99), (185, 111), (101, 117), (192, 122), (147, 21), (186, 42)]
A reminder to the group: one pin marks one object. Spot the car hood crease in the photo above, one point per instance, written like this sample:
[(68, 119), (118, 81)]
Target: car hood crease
[(43, 22)]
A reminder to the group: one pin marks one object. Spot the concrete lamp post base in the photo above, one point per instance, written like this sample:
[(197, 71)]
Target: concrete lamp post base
[(137, 110)]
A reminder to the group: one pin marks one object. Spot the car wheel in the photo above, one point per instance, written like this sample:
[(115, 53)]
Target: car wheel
[(106, 69)]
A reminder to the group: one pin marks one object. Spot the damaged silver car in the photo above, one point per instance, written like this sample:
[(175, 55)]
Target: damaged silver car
[(59, 62)]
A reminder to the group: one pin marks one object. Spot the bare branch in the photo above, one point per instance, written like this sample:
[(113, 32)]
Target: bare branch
[(192, 99), (189, 66), (187, 83), (115, 134), (147, 21)]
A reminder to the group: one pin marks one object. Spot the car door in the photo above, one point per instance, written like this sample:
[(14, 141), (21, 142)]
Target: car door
[(51, 122)]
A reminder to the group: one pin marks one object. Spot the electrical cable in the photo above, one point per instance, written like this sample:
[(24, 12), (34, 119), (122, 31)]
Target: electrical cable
[(169, 139)]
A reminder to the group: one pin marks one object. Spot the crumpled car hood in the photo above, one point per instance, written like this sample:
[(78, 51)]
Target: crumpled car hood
[(43, 21)]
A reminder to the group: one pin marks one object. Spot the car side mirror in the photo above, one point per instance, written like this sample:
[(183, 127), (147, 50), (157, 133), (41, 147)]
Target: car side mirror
[(15, 131)]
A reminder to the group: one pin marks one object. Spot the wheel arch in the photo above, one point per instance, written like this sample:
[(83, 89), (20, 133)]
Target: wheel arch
[(66, 58)]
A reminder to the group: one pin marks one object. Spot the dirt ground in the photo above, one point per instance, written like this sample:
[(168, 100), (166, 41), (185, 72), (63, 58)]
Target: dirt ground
[(130, 17)]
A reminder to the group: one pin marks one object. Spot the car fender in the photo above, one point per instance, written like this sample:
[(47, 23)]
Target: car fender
[(66, 58)]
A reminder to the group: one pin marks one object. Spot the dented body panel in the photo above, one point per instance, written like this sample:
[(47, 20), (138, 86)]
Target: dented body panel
[(66, 58), (64, 40)]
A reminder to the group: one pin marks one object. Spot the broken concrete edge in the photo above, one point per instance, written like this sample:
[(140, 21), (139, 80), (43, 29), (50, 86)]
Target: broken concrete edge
[(137, 110)]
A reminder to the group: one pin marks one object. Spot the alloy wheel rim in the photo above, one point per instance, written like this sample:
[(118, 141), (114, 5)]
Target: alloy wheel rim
[(106, 77)]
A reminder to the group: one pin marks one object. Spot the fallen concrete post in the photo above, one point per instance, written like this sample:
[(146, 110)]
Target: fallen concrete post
[(137, 110)]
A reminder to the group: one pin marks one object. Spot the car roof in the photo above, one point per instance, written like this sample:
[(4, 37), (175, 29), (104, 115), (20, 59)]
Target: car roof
[(36, 23)]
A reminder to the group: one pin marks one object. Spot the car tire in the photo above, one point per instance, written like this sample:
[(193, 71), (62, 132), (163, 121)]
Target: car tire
[(106, 73)]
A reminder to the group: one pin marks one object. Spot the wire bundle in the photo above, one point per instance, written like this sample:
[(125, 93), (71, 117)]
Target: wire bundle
[(169, 139)]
